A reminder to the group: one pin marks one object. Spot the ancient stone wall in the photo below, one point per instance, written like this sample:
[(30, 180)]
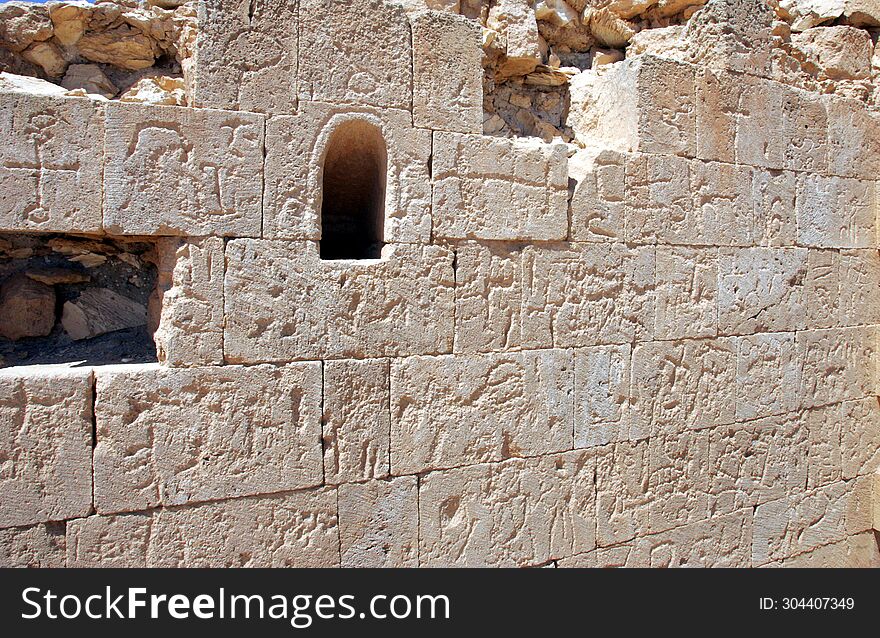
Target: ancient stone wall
[(604, 286)]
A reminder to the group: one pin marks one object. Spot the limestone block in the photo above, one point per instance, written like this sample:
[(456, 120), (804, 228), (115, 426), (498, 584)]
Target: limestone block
[(841, 52), (517, 21), (488, 297), (759, 121), (246, 56), (447, 72), (658, 198), (190, 331), (760, 289), (681, 385), (678, 479), (357, 52), (449, 411), (283, 303), (379, 523), (294, 530), (646, 104), (876, 499), (50, 164), (587, 294), (768, 373), (810, 13), (98, 311), (598, 201), (804, 131), (838, 365), (823, 287), (45, 444), (836, 212), (40, 546), (622, 492), (356, 420), (859, 551), (297, 146), (860, 505), (252, 430), (860, 438), (859, 287), (821, 430), (687, 293), (27, 308), (497, 188), (208, 164), (853, 139), (522, 511), (773, 200), (601, 393), (718, 96), (756, 462)]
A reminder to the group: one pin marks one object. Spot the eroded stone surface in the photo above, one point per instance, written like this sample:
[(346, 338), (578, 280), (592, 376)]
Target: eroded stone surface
[(379, 523), (40, 546)]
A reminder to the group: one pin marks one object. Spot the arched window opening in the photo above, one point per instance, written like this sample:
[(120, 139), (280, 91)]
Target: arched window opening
[(353, 195)]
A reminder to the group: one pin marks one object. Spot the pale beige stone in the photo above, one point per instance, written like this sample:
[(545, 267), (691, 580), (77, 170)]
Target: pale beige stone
[(515, 19), (687, 293), (40, 546), (598, 201), (842, 52), (522, 511), (601, 395), (853, 139), (89, 77), (859, 287), (27, 308), (190, 330), (876, 500), (172, 171), (810, 13), (50, 164), (447, 72), (495, 188), (46, 445), (247, 56), (98, 311), (768, 374), (109, 541), (248, 431), (821, 429), (283, 303), (379, 523), (646, 104), (449, 411), (358, 52), (859, 551), (838, 365), (160, 90), (11, 83), (357, 420), (296, 148), (859, 423), (836, 212)]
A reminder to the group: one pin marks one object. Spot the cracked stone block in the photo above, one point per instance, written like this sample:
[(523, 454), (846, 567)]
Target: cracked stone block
[(296, 148), (644, 105), (678, 479), (659, 202), (379, 523), (768, 374), (687, 293), (601, 394), (682, 385), (284, 303), (804, 131), (821, 430), (838, 365), (755, 462), (598, 206), (622, 492), (449, 411), (853, 139), (520, 512), (248, 431), (297, 529), (836, 212), (759, 121), (717, 108), (45, 445), (497, 188), (244, 61), (860, 551), (447, 72), (859, 423), (357, 52), (50, 164), (39, 546), (356, 420), (190, 279), (859, 289), (182, 172), (773, 201)]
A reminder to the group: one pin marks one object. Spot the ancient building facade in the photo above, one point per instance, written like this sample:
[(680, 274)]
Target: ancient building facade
[(439, 283)]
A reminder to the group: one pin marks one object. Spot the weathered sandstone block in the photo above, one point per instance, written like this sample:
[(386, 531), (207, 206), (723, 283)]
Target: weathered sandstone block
[(449, 411), (50, 164), (296, 148), (190, 331), (838, 365), (836, 212), (520, 512), (298, 529), (174, 171), (252, 430), (283, 303), (358, 52), (46, 445), (356, 420), (821, 431), (496, 188), (601, 393), (447, 72), (379, 523), (859, 293), (646, 105), (246, 56), (856, 552), (860, 438), (768, 373), (853, 139), (687, 293), (597, 204), (40, 546)]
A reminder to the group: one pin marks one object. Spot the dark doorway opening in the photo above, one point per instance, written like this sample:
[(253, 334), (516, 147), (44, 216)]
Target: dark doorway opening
[(353, 204)]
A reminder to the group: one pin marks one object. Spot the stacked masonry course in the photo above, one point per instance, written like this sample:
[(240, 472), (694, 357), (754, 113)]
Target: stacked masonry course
[(655, 343)]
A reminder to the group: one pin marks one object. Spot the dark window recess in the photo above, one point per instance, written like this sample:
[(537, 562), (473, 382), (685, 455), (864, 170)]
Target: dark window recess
[(353, 194), (68, 299)]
